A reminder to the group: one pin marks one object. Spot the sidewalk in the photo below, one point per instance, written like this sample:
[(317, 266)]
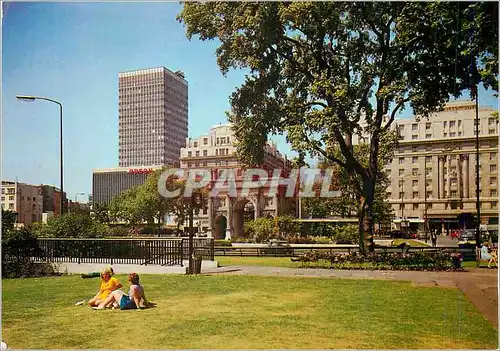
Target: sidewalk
[(480, 285)]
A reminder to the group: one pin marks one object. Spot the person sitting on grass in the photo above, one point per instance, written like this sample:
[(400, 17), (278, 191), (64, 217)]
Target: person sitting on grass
[(108, 285), (488, 254), (135, 298)]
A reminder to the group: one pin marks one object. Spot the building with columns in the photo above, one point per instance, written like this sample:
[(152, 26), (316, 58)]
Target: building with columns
[(225, 215), (433, 172)]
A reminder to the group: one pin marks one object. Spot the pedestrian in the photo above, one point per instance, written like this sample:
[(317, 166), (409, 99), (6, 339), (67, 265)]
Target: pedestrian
[(434, 238)]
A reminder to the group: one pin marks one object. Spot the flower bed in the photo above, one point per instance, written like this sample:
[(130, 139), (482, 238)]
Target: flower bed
[(415, 261)]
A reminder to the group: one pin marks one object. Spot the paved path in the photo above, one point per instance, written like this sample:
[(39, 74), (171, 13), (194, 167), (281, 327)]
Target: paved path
[(478, 284)]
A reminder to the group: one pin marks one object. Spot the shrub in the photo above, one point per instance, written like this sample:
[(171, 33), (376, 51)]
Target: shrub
[(260, 230), (345, 234), (222, 243), (19, 247), (71, 225), (434, 261), (286, 226)]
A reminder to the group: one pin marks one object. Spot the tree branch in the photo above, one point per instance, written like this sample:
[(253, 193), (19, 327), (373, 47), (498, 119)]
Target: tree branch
[(393, 114)]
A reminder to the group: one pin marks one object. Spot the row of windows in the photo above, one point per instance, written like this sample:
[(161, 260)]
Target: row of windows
[(493, 205), (453, 194)]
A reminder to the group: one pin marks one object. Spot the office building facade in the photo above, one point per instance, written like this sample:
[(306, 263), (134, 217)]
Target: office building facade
[(153, 116), (109, 182), (433, 173)]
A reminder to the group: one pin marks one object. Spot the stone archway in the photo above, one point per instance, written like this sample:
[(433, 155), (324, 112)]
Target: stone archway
[(220, 227), (243, 211)]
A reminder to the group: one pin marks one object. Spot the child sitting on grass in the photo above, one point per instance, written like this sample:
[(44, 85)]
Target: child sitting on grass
[(135, 298)]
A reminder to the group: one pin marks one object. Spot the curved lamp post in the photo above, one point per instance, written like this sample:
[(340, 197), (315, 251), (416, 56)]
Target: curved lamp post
[(33, 98)]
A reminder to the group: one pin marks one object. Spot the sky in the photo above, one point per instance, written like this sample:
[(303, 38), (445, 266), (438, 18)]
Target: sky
[(73, 52)]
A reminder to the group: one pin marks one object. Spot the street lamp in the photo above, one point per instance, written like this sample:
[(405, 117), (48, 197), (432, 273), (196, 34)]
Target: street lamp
[(33, 98)]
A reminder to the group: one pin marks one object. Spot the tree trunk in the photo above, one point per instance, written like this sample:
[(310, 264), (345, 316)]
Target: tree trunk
[(365, 220)]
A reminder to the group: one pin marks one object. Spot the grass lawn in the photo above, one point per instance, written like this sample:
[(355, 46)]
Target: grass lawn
[(409, 242), (244, 312)]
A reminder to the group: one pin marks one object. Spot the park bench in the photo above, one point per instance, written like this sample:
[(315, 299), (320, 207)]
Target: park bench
[(479, 258)]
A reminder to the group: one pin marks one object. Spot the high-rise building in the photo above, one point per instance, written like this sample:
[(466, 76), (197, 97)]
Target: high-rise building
[(153, 116)]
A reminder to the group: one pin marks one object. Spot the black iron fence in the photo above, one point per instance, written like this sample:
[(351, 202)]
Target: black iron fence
[(203, 247), (158, 251)]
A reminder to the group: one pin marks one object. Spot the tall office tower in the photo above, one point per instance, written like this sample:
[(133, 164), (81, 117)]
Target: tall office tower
[(153, 117)]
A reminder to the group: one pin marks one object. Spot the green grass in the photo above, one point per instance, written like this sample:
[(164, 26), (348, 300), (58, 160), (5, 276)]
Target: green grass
[(232, 312), (225, 261), (409, 242)]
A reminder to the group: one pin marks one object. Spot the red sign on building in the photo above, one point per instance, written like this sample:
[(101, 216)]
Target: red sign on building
[(140, 170)]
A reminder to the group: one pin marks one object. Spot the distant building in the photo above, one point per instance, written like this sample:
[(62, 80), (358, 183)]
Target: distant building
[(25, 199), (109, 182), (52, 199), (225, 215), (153, 116), (433, 172)]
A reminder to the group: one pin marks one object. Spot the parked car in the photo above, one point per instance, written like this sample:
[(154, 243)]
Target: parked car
[(467, 236)]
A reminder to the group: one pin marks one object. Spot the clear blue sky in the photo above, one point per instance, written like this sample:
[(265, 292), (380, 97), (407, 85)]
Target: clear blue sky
[(72, 52)]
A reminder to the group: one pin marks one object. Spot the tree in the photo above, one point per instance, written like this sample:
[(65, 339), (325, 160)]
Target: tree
[(8, 220), (324, 72), (71, 225), (100, 212), (124, 207)]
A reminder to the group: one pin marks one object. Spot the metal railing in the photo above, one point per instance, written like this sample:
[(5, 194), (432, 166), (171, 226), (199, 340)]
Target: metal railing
[(158, 251)]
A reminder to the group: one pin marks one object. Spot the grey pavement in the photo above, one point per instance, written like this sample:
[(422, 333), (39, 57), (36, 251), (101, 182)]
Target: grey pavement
[(480, 285)]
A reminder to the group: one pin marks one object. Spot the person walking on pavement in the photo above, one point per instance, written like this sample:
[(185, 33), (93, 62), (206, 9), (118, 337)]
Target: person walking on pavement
[(433, 238)]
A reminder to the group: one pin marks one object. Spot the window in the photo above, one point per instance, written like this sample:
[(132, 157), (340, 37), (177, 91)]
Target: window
[(459, 123), (414, 171), (414, 149), (401, 129), (453, 193), (401, 172), (415, 206), (428, 136), (401, 160), (223, 140), (493, 155), (205, 152), (414, 159), (415, 194), (205, 141), (217, 141), (389, 194), (204, 163), (401, 183), (197, 153), (494, 205), (414, 126), (428, 125), (428, 158), (428, 183), (493, 180), (493, 193), (195, 144), (491, 121), (491, 131), (445, 134), (429, 194), (11, 198), (429, 206), (3, 191), (190, 153), (414, 137), (414, 183), (401, 194), (401, 206), (11, 206), (452, 134), (3, 198), (452, 124), (444, 124), (493, 168)]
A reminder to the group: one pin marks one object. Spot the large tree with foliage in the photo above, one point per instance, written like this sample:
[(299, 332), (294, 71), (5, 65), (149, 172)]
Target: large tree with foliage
[(322, 72)]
